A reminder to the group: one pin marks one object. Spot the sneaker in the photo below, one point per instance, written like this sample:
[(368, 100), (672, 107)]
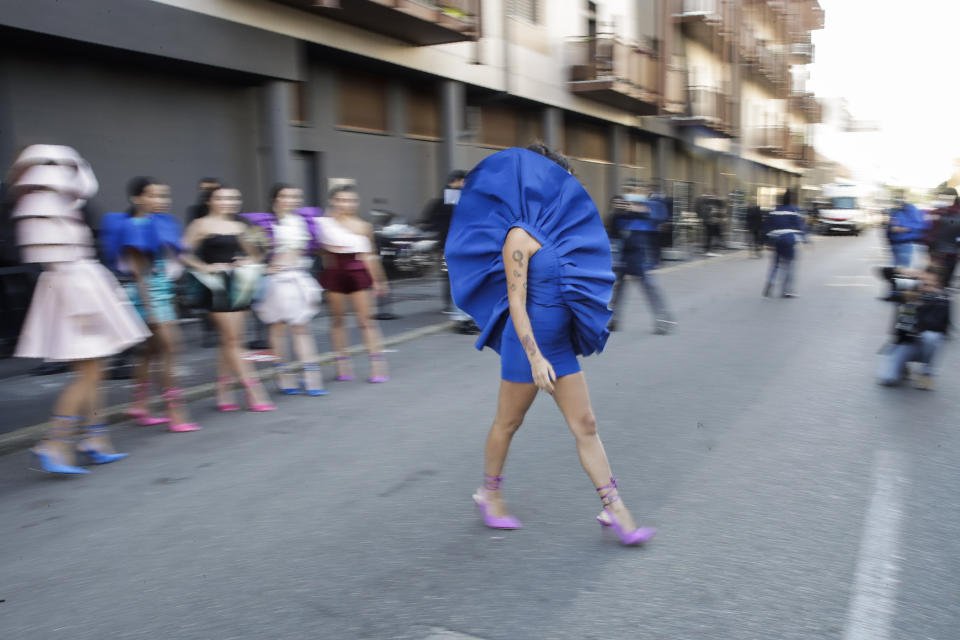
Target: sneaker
[(664, 327)]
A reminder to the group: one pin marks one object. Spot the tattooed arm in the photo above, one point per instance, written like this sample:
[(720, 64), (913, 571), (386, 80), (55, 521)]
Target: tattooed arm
[(517, 249)]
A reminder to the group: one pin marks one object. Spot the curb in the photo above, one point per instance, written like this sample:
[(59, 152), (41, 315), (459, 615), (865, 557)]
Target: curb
[(25, 437)]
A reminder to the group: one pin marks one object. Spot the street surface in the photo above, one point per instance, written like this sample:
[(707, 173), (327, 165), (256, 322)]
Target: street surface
[(795, 499)]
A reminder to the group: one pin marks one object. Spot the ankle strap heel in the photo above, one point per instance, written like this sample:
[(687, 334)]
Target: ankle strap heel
[(50, 461), (174, 399), (490, 485), (610, 495), (378, 357), (250, 384), (93, 454), (313, 367)]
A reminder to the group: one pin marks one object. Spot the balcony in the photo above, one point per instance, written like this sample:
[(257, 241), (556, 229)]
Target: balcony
[(801, 48), (710, 109), (771, 141), (615, 72), (770, 63), (807, 105), (419, 22), (807, 157), (705, 19), (675, 100)]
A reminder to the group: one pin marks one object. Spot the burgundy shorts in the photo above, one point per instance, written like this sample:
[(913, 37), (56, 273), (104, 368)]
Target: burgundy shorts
[(346, 274)]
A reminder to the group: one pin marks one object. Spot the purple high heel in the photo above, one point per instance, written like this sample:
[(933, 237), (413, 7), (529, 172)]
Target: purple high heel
[(377, 357), (609, 494), (343, 377), (492, 483)]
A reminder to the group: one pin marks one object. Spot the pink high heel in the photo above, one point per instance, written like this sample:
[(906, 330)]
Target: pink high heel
[(343, 377), (226, 406), (174, 398), (609, 494), (250, 384), (492, 483), (141, 393)]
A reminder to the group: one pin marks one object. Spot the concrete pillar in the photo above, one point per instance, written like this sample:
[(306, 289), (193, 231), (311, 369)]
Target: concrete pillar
[(617, 147), (553, 128), (452, 102), (278, 139), (663, 163), (396, 108)]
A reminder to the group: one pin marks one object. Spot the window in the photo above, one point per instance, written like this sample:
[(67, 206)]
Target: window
[(525, 10), (588, 141), (299, 105), (362, 101), (423, 112)]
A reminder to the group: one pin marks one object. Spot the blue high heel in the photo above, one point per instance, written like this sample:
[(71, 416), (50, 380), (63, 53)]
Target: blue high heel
[(48, 462), (93, 455), (312, 366), (282, 369)]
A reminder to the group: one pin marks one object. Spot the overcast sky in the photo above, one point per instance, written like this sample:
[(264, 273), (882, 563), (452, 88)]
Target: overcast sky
[(895, 62)]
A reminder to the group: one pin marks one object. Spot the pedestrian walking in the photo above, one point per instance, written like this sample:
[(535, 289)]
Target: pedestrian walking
[(906, 226), (226, 270), (79, 313), (143, 245), (943, 238), (350, 269), (290, 296), (530, 261), (635, 226), (755, 228), (782, 227)]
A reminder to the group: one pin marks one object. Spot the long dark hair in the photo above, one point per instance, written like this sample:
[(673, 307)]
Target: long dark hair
[(275, 191), (136, 187)]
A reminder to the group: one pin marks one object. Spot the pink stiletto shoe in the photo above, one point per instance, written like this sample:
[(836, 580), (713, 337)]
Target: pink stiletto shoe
[(226, 406), (174, 398), (492, 483), (250, 384), (609, 494), (141, 394)]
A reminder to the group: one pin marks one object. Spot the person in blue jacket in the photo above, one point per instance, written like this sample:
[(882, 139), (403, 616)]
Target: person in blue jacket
[(529, 260), (783, 226), (635, 229), (906, 226)]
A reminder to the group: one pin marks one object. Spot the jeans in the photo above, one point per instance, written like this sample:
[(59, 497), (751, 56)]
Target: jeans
[(902, 254), (924, 349), (781, 262), (638, 257)]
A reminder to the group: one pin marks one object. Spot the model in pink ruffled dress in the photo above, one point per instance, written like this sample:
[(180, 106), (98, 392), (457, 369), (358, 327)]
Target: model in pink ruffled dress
[(79, 313)]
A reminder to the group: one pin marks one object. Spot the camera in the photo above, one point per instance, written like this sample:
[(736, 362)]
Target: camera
[(899, 281)]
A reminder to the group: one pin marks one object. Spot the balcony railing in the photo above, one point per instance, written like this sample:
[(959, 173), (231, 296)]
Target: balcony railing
[(711, 108), (616, 72), (771, 141), (807, 105), (419, 22), (706, 18), (801, 52)]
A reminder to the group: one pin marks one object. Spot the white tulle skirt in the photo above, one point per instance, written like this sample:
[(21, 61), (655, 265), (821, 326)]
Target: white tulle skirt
[(291, 296), (78, 312)]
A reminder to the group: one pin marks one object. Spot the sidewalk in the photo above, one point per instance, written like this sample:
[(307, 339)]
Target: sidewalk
[(26, 400)]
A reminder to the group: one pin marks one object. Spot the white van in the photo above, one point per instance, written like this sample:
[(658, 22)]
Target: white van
[(844, 212)]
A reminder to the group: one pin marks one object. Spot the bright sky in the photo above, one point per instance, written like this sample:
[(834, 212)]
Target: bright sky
[(895, 63)]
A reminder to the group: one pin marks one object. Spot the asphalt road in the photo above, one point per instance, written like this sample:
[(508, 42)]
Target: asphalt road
[(794, 497)]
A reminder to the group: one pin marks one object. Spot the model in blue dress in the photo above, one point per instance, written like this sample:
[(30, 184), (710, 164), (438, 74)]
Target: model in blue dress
[(529, 260)]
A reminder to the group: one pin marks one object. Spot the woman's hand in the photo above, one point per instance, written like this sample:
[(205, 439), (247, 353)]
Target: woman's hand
[(543, 374)]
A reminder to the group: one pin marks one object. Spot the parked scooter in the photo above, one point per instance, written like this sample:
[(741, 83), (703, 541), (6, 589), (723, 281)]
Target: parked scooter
[(406, 250)]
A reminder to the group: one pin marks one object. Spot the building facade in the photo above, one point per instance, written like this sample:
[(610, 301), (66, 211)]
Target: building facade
[(703, 96)]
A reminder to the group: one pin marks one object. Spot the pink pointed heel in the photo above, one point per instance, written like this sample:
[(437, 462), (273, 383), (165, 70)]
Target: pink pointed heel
[(141, 395), (250, 384), (174, 399), (226, 406), (491, 484), (609, 494), (381, 358)]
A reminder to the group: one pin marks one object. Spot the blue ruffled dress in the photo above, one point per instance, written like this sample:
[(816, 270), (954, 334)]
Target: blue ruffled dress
[(155, 236), (569, 280)]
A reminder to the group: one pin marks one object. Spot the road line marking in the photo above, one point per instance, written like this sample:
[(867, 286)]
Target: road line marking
[(874, 598), (848, 284)]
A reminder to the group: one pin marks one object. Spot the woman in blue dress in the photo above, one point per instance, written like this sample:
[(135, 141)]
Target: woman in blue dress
[(529, 260), (143, 246)]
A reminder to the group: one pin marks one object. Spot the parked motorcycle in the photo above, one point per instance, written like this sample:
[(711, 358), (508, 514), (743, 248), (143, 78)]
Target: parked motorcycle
[(406, 250)]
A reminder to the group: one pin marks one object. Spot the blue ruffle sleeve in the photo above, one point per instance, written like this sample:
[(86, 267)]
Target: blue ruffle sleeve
[(520, 188), (151, 236)]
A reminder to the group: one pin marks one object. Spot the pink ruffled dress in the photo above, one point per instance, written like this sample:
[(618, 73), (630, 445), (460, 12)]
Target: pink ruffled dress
[(78, 310)]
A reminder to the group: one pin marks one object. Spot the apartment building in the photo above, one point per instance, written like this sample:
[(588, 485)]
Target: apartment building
[(702, 94)]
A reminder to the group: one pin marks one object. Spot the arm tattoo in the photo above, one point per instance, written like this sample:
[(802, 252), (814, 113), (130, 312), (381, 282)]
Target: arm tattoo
[(513, 286), (518, 257), (529, 345), (517, 274)]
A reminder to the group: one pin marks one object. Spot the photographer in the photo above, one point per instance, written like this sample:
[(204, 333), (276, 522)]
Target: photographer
[(922, 319)]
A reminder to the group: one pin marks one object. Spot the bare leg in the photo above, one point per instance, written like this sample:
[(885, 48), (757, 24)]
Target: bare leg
[(167, 335), (512, 404), (306, 349), (360, 301), (224, 393), (278, 344), (230, 325), (338, 336), (141, 375), (573, 399), (70, 407)]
